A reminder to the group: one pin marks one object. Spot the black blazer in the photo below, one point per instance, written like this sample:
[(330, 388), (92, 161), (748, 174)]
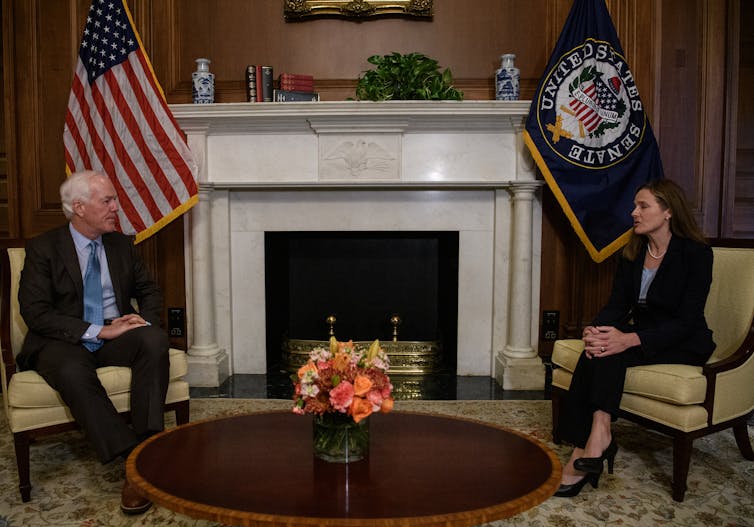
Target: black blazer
[(672, 322), (51, 291)]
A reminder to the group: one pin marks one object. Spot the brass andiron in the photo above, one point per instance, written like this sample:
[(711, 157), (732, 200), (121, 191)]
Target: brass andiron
[(395, 320), (331, 320)]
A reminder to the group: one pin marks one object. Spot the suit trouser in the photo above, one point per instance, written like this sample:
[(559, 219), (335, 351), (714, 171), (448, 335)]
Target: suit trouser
[(597, 384), (71, 370)]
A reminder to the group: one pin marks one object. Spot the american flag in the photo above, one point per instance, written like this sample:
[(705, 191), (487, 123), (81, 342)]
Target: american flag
[(118, 122), (599, 102)]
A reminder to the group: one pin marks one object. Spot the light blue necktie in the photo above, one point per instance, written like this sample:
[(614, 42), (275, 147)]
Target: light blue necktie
[(93, 309)]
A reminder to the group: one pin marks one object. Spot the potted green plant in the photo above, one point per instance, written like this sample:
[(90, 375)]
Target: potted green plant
[(406, 77)]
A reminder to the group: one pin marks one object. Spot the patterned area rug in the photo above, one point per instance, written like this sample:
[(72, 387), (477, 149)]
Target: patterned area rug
[(70, 488)]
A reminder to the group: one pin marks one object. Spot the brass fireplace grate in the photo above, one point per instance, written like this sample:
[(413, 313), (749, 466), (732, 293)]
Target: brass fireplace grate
[(406, 357), (412, 360)]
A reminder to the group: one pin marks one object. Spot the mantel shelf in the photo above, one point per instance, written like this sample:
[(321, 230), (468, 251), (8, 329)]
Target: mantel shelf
[(371, 185), (364, 116)]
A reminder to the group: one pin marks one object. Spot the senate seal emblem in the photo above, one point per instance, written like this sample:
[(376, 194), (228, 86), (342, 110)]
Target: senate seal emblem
[(588, 110)]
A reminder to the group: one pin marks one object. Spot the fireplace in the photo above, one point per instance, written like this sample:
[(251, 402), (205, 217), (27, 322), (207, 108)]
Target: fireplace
[(399, 287), (443, 166)]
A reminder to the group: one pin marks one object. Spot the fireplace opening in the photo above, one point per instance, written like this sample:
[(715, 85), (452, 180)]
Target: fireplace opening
[(363, 279)]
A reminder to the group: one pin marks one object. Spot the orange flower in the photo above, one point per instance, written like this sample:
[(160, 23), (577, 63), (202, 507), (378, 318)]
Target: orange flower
[(360, 408), (361, 385), (387, 405), (309, 366), (341, 361)]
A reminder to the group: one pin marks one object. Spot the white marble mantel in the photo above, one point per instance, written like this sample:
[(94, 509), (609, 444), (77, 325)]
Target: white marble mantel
[(364, 166)]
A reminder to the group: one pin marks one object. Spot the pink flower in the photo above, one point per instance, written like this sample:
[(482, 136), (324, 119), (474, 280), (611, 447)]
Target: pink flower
[(380, 363), (309, 390), (375, 397), (341, 396)]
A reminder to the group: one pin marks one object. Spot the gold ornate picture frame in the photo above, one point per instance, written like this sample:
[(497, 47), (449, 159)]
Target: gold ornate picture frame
[(356, 9)]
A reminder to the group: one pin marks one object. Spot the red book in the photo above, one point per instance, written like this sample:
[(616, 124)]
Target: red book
[(295, 77), (297, 86), (260, 96)]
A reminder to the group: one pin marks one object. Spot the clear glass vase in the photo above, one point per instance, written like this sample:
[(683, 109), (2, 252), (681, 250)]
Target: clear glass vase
[(338, 439)]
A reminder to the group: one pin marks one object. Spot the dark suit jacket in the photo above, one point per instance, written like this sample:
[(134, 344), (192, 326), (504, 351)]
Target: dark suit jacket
[(672, 322), (51, 292)]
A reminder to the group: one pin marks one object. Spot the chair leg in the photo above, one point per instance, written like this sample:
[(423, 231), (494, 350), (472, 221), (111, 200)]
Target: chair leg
[(741, 433), (21, 443), (681, 460)]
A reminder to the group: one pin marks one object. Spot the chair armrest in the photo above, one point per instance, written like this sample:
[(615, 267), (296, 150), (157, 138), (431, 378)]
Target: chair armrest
[(715, 369), (9, 369), (9, 359), (734, 360)]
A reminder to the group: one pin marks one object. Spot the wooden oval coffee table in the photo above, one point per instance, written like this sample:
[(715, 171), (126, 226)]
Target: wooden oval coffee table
[(427, 470)]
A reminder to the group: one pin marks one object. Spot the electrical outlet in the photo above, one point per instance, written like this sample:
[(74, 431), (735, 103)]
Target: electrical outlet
[(550, 325), (176, 321)]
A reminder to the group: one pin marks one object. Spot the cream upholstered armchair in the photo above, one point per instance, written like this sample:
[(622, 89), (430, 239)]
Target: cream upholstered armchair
[(687, 402), (32, 407)]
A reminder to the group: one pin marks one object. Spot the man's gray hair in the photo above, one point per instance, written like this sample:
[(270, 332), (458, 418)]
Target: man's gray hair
[(76, 188)]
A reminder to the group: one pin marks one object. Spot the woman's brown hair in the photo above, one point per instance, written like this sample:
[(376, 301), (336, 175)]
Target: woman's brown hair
[(670, 196)]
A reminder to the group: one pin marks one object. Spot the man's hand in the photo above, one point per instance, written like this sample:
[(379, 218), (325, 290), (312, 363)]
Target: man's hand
[(120, 325)]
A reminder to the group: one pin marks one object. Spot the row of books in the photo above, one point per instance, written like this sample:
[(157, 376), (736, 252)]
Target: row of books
[(261, 87)]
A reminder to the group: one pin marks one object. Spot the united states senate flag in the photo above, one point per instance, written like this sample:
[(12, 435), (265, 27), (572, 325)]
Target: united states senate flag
[(588, 132)]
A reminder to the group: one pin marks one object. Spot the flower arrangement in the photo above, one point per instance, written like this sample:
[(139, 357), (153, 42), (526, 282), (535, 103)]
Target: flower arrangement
[(344, 379)]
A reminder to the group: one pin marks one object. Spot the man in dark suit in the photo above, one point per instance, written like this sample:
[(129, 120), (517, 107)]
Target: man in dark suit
[(66, 342)]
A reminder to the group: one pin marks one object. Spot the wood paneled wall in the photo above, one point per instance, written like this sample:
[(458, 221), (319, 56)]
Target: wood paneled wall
[(737, 217), (4, 122), (677, 50)]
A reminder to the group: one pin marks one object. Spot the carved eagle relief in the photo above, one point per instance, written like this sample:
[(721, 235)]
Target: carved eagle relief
[(360, 156)]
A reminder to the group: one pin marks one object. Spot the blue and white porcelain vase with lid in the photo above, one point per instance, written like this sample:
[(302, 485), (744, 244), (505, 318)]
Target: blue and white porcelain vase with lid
[(507, 79), (203, 83)]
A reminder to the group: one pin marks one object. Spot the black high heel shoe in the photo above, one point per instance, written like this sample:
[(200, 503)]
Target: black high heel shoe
[(593, 465), (569, 491)]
